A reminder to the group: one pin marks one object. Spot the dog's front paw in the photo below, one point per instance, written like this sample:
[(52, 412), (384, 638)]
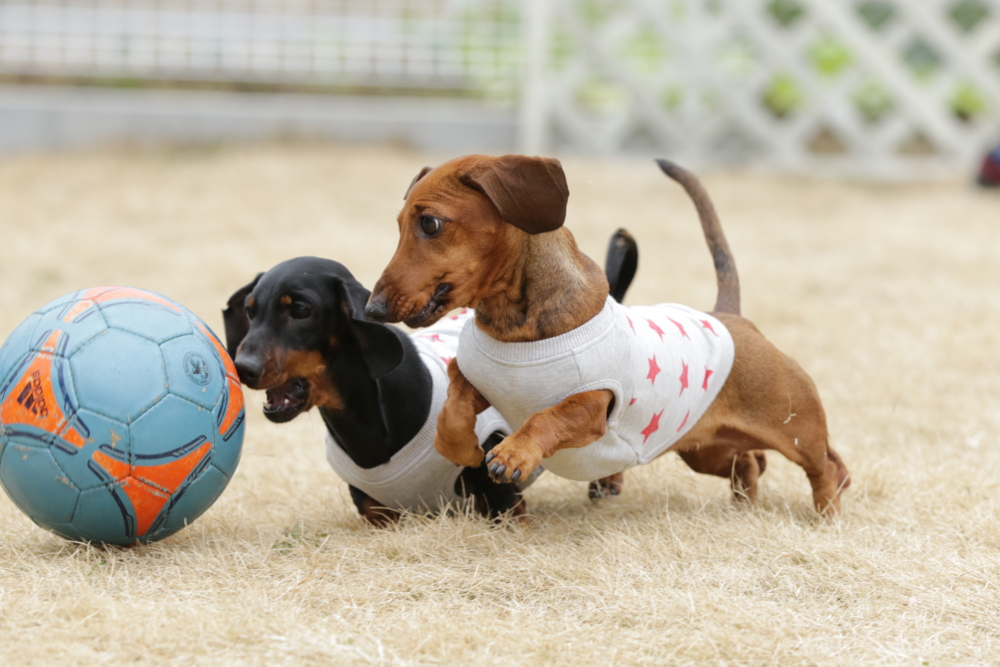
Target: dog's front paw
[(513, 460)]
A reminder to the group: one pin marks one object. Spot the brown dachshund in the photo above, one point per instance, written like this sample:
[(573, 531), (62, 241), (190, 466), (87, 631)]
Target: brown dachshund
[(487, 233)]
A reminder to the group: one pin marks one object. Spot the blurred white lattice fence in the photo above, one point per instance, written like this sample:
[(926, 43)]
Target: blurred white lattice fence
[(888, 89), (892, 88), (435, 45)]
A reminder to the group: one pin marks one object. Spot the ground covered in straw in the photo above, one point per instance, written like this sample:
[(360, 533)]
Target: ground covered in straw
[(888, 295)]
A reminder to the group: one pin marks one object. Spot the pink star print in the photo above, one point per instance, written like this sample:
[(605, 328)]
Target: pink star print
[(686, 415), (684, 377), (632, 326), (708, 325), (654, 370), (652, 427), (658, 330), (447, 360), (708, 374), (680, 327)]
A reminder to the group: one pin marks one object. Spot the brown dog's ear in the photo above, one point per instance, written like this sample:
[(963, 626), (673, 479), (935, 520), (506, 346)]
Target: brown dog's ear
[(423, 172), (235, 319), (528, 192)]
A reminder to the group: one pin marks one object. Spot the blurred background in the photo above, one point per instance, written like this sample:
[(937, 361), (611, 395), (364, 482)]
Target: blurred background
[(883, 89)]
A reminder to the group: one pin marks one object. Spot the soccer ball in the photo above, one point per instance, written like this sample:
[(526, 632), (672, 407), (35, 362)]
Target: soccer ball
[(121, 416)]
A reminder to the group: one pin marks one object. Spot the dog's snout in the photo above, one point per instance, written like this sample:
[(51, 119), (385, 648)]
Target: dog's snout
[(249, 370), (377, 308)]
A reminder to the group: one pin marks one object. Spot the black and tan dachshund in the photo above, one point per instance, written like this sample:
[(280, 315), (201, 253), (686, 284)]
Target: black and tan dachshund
[(299, 332)]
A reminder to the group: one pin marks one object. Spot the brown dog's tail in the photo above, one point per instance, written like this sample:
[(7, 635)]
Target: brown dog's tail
[(728, 300)]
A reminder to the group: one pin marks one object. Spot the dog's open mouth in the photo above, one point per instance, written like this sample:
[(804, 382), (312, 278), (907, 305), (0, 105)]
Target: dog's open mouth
[(285, 403), (436, 306)]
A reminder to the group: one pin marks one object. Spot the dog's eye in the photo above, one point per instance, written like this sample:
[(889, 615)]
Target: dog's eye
[(300, 311), (429, 225)]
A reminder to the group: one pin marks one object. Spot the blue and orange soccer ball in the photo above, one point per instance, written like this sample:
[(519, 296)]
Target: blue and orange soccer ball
[(121, 414)]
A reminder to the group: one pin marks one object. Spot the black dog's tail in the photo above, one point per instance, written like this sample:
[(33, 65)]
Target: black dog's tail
[(728, 280), (621, 263)]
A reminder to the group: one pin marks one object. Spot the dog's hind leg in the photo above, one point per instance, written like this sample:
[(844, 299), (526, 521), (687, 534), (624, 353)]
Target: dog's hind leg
[(606, 486), (768, 402), (803, 442), (741, 468), (371, 510)]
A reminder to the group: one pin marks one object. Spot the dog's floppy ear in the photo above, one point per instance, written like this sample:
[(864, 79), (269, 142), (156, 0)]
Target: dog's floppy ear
[(381, 347), (235, 319), (416, 179), (528, 192)]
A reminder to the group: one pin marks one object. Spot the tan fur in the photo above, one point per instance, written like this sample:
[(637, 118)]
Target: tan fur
[(282, 365), (458, 417), (533, 286), (768, 402), (378, 516), (577, 421), (488, 263)]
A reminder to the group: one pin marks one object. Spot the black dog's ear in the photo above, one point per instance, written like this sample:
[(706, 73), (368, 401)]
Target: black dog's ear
[(423, 172), (528, 192), (381, 344), (621, 263), (235, 317)]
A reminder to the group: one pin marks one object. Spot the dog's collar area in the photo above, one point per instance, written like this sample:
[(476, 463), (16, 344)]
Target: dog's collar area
[(585, 335)]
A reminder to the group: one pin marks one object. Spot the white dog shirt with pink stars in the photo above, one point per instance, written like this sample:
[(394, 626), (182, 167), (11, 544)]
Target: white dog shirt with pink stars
[(665, 365)]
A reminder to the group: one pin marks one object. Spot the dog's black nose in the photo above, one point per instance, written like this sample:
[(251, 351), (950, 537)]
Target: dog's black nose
[(377, 309), (249, 371)]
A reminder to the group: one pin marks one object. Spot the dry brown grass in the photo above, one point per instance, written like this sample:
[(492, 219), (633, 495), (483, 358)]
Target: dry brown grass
[(889, 296)]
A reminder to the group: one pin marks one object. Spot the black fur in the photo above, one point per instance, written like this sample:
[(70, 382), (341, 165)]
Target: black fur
[(621, 263), (375, 368), (385, 387)]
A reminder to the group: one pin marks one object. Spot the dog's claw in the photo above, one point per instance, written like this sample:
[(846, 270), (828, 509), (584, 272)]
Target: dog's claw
[(516, 476), (500, 471), (489, 457)]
